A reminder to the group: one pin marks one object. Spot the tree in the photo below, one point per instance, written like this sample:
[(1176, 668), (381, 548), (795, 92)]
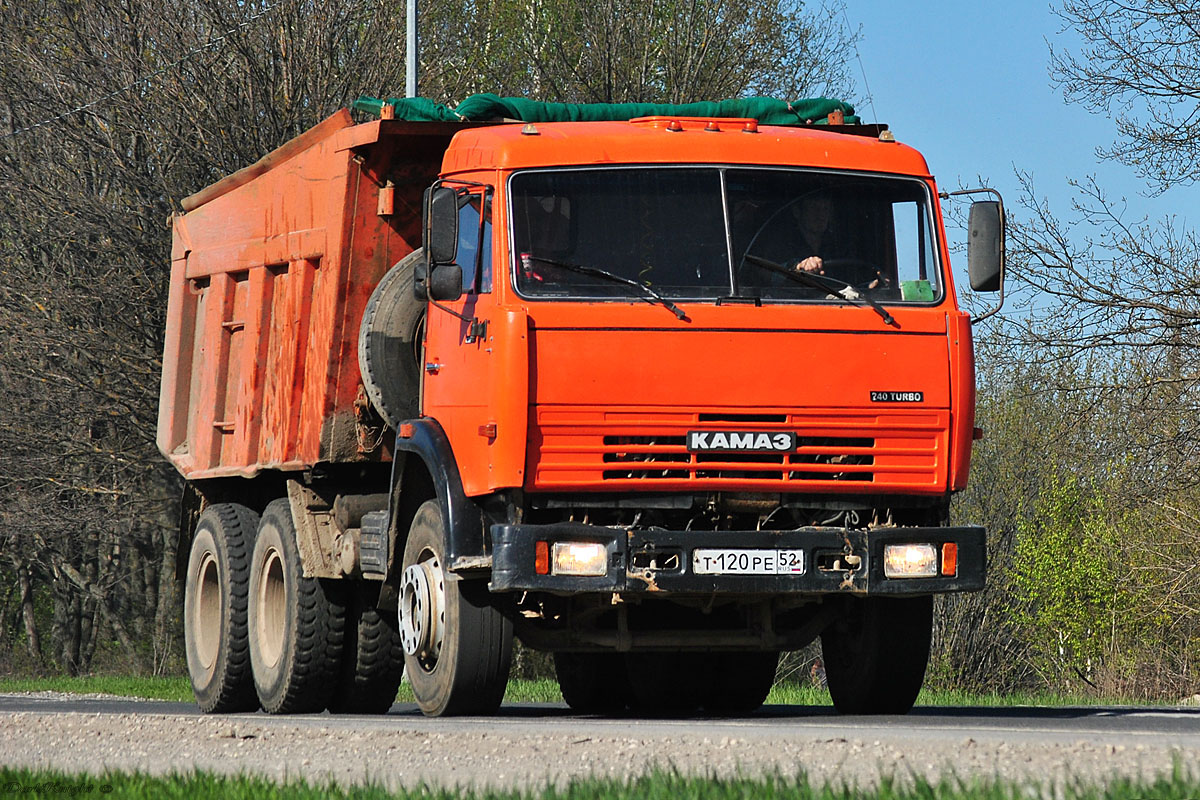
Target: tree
[(1105, 286), (632, 50), (110, 113), (1099, 350), (1140, 57), (146, 103)]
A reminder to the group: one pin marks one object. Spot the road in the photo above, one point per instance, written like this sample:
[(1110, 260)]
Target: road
[(530, 744)]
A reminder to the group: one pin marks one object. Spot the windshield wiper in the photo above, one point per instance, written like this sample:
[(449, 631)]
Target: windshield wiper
[(832, 285), (603, 273)]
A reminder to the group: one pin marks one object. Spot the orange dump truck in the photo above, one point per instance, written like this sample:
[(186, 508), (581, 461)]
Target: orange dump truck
[(664, 396)]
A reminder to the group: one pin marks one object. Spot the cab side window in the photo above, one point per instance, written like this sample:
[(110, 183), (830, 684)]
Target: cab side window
[(475, 242)]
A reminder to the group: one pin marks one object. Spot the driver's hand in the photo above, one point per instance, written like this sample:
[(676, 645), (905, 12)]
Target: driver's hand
[(811, 264)]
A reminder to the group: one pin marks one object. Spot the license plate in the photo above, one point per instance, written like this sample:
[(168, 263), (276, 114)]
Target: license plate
[(721, 561)]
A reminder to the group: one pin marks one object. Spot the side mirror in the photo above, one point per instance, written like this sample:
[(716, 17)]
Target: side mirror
[(445, 282), (985, 245), (441, 225)]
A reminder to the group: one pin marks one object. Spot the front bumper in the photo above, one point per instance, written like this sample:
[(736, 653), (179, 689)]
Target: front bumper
[(660, 561)]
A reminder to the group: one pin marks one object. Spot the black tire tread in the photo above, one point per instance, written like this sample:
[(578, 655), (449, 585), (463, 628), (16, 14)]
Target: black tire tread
[(320, 615), (234, 684), (593, 683), (372, 662), (885, 676), (472, 672), (739, 682)]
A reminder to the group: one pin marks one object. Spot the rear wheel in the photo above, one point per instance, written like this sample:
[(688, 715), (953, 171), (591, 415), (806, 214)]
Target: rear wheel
[(739, 682), (593, 683), (214, 609), (668, 683), (457, 644), (372, 659), (296, 623), (875, 654)]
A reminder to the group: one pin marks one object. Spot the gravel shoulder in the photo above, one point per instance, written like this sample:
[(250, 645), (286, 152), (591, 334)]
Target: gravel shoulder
[(545, 745)]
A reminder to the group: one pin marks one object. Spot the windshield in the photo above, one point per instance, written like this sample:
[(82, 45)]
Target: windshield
[(710, 233)]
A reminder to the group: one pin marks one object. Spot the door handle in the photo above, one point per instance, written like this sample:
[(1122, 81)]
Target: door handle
[(432, 367)]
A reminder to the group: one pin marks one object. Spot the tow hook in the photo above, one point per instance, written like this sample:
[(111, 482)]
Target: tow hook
[(853, 563)]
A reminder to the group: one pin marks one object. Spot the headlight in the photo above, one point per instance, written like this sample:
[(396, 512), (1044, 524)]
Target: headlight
[(580, 558), (910, 561)]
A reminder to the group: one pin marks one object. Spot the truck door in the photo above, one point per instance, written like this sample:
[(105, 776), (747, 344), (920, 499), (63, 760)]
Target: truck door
[(457, 366)]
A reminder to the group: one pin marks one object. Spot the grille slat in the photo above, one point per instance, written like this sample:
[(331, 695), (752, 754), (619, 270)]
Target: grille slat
[(631, 448)]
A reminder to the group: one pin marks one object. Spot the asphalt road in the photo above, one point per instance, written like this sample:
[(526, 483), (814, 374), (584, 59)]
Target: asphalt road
[(530, 744)]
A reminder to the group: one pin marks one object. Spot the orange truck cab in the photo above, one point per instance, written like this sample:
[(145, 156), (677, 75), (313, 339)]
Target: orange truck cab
[(665, 396)]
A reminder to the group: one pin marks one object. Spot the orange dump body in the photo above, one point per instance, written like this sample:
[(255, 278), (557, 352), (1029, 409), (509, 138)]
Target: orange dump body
[(272, 270)]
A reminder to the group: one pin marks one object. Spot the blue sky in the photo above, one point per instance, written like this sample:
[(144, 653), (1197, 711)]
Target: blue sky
[(968, 84)]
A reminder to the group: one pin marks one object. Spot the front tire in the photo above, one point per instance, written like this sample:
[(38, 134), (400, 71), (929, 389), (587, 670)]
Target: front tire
[(214, 610), (457, 644), (876, 652), (296, 623)]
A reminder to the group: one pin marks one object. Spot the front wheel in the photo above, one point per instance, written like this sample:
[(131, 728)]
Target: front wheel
[(457, 644), (876, 652)]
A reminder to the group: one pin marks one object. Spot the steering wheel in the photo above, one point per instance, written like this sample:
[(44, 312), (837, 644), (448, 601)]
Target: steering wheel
[(862, 272), (856, 272)]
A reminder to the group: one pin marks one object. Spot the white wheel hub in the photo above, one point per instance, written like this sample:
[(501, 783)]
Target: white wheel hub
[(422, 611)]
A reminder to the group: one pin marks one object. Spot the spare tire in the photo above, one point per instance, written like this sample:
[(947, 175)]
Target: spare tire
[(389, 344)]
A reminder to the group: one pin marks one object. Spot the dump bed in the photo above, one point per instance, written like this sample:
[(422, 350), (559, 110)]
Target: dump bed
[(270, 271)]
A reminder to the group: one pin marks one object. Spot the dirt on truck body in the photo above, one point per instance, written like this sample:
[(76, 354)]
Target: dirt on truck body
[(665, 396)]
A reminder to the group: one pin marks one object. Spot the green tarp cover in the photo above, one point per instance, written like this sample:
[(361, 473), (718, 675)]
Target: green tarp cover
[(483, 107)]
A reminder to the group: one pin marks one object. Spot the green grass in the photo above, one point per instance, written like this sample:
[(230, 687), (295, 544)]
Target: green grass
[(658, 785), (174, 687), (541, 691), (177, 687), (544, 690)]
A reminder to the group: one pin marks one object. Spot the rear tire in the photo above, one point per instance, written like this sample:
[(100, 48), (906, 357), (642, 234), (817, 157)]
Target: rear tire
[(672, 683), (739, 682), (593, 683), (372, 659), (296, 623), (875, 654), (457, 644), (214, 610)]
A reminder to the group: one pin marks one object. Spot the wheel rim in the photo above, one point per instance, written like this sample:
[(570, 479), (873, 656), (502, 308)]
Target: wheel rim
[(423, 611), (272, 607), (206, 619)]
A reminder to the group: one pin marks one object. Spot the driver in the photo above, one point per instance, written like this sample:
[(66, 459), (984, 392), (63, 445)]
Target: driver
[(812, 215)]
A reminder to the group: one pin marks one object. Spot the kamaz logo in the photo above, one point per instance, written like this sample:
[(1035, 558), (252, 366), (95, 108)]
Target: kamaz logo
[(740, 441)]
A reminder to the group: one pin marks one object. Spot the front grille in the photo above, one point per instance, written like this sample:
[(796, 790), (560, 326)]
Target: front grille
[(617, 448)]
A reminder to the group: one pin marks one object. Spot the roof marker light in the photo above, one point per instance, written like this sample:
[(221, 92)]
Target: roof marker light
[(751, 126), (529, 130), (674, 126)]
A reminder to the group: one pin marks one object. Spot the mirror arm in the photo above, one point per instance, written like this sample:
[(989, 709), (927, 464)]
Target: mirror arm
[(478, 329), (1003, 250), (450, 311)]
